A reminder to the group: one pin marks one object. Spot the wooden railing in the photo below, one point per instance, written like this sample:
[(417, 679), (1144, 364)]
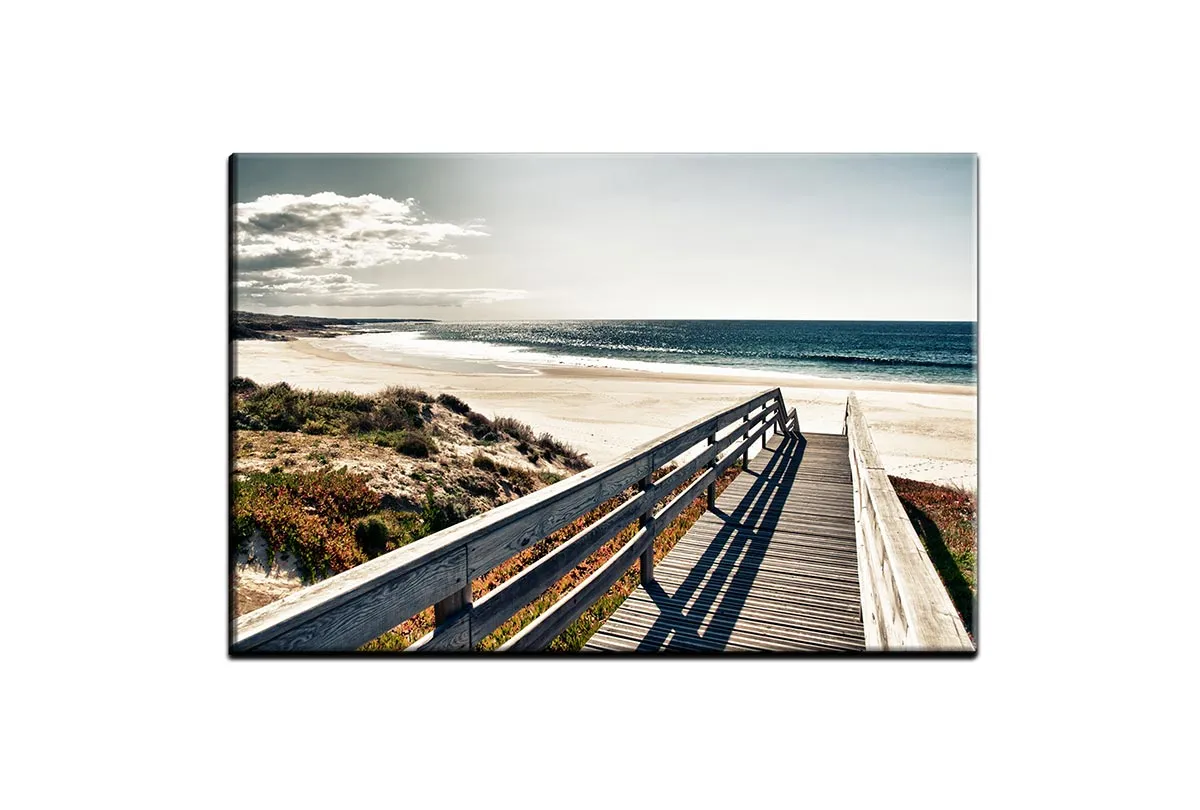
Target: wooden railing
[(905, 605), (351, 608)]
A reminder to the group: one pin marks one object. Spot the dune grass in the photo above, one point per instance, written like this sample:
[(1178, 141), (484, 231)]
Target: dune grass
[(396, 417), (400, 417)]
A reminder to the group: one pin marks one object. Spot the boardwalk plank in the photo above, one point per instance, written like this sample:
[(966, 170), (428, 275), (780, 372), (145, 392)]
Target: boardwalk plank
[(717, 634), (773, 567), (750, 618)]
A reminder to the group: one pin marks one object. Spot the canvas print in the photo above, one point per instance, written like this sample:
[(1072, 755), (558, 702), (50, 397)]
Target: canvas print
[(603, 403)]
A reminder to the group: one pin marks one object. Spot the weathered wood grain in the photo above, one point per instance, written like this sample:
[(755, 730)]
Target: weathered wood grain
[(452, 604), (491, 549), (452, 634), (350, 612), (868, 604), (455, 609)]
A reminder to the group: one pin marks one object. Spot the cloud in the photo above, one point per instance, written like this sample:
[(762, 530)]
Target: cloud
[(283, 288), (294, 250), (280, 231), (277, 261)]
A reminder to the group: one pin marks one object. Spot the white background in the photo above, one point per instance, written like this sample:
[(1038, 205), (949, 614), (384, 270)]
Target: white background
[(118, 123)]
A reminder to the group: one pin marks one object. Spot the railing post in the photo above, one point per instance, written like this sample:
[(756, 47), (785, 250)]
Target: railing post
[(647, 520), (448, 610), (712, 488), (746, 451)]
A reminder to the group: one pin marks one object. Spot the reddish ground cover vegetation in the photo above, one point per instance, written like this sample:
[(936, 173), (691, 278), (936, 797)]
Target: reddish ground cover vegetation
[(945, 519)]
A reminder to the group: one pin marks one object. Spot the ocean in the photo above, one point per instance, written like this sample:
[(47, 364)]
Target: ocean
[(911, 351)]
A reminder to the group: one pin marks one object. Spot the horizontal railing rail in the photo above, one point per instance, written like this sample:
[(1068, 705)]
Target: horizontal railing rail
[(905, 605), (349, 609)]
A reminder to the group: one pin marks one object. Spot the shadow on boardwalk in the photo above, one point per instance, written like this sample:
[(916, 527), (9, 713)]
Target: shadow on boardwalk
[(733, 558)]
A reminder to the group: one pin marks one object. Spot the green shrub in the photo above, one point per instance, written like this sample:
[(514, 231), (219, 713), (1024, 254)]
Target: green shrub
[(480, 427), (343, 401), (417, 445), (483, 485), (484, 462), (270, 408), (387, 416), (388, 530), (401, 394), (371, 534), (383, 438), (406, 527), (439, 514), (454, 403)]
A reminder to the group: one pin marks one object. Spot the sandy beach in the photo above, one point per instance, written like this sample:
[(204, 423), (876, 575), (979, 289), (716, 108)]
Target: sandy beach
[(926, 432)]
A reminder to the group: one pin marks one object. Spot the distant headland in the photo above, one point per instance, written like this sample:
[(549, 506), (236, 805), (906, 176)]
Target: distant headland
[(260, 326)]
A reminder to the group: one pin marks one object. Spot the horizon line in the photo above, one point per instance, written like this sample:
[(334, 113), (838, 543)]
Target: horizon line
[(552, 320)]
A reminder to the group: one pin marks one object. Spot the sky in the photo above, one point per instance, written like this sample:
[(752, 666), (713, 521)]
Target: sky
[(514, 237)]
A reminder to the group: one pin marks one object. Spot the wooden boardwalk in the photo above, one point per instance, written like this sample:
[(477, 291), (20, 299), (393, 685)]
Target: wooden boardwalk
[(773, 565), (772, 568)]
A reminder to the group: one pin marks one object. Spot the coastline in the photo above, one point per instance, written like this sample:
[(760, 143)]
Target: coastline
[(923, 431)]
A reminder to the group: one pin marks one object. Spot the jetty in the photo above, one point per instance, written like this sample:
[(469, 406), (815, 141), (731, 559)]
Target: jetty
[(808, 549)]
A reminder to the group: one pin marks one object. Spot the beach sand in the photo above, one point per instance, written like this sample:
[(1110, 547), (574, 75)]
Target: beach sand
[(926, 432)]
